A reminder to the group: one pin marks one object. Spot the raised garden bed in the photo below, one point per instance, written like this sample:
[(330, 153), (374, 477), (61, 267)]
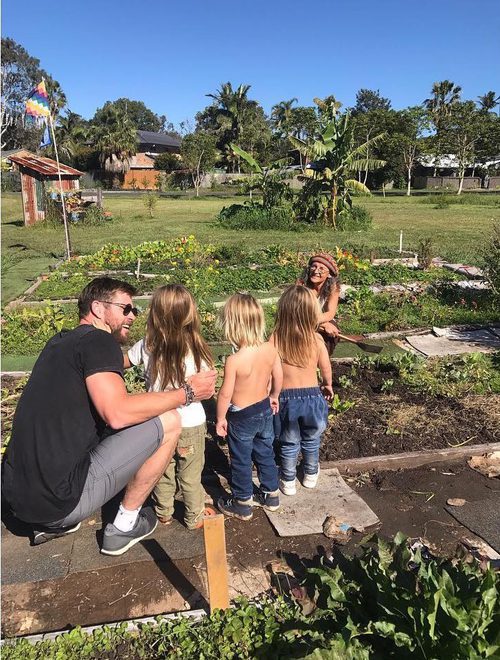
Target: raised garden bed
[(390, 416)]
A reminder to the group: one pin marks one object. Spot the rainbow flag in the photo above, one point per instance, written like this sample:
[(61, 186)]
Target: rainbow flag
[(37, 105)]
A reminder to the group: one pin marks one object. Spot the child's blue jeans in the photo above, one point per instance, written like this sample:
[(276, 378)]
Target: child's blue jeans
[(303, 417), (250, 437)]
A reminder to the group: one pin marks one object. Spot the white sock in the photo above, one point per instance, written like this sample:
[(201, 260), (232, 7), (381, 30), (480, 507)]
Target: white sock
[(125, 519)]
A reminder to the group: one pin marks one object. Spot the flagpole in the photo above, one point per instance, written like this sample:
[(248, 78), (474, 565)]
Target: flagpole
[(65, 219)]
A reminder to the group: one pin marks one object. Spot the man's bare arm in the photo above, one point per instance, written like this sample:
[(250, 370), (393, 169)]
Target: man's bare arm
[(119, 409)]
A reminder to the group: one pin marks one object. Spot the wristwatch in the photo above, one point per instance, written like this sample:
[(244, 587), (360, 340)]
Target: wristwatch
[(190, 396)]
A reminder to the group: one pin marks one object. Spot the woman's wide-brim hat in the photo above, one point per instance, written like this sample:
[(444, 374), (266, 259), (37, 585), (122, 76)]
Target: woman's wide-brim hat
[(327, 260)]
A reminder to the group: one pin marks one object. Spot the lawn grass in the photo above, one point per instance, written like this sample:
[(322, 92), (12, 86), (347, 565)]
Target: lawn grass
[(458, 231)]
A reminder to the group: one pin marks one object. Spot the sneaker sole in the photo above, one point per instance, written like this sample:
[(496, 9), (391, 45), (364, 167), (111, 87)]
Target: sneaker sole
[(239, 516), (52, 537), (120, 551), (266, 506)]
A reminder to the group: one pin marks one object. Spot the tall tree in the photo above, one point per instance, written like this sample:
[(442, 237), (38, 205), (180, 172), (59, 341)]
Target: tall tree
[(334, 160), (368, 100), (115, 138), (444, 95), (198, 153), (489, 101), (233, 117), (461, 134), (281, 115), (137, 112), (20, 73), (407, 142)]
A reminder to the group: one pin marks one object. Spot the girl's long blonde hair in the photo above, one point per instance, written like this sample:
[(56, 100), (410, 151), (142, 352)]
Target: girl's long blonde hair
[(296, 323), (173, 331), (243, 321)]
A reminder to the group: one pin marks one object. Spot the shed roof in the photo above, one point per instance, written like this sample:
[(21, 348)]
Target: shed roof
[(40, 164), (149, 137)]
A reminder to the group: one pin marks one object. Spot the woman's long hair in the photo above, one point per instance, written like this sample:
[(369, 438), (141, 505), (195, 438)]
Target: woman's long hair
[(295, 328), (173, 331), (331, 283)]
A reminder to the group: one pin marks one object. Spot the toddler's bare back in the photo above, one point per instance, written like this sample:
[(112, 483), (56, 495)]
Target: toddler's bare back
[(253, 366)]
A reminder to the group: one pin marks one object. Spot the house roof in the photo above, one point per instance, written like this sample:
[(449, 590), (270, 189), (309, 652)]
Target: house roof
[(149, 137), (142, 162), (40, 164)]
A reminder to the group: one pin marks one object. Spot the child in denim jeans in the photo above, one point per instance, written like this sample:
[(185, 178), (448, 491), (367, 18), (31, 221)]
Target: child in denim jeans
[(303, 411), (245, 408), (173, 350)]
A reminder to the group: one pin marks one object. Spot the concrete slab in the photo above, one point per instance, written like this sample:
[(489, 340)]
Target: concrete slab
[(172, 541), (481, 518), (23, 563), (454, 342), (305, 512)]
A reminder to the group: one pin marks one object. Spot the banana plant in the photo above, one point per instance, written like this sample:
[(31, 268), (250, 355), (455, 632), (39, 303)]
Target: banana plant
[(334, 160), (269, 180)]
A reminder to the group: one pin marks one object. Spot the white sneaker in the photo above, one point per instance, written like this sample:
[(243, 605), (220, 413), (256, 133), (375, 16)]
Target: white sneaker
[(288, 487), (310, 480)]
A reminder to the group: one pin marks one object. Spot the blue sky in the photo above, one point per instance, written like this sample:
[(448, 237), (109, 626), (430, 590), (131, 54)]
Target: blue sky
[(169, 54)]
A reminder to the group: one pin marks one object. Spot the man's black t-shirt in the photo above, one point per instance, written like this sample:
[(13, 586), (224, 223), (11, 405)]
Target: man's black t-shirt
[(56, 425)]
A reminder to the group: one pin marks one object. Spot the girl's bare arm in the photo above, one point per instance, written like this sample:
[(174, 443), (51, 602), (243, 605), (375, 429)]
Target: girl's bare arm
[(325, 368), (276, 384)]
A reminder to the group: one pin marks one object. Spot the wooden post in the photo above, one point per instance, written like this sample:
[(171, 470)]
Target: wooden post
[(215, 553)]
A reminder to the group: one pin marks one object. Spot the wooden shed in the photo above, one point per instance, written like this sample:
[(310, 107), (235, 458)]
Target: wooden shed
[(38, 177)]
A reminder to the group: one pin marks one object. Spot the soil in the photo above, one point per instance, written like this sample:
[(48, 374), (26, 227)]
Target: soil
[(403, 420)]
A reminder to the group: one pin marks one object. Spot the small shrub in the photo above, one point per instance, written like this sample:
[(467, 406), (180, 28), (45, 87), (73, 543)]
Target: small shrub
[(94, 216), (150, 200), (256, 217), (425, 252), (355, 219)]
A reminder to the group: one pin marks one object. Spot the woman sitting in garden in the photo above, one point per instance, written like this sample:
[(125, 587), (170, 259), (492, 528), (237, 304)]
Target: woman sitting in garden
[(322, 277)]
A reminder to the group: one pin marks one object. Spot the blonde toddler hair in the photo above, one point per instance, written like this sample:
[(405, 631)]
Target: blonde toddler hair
[(243, 321), (296, 325)]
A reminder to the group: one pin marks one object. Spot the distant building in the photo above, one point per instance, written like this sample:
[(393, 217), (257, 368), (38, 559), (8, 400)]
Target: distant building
[(441, 172), (142, 173)]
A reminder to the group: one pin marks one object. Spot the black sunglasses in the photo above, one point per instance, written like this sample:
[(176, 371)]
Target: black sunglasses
[(127, 308)]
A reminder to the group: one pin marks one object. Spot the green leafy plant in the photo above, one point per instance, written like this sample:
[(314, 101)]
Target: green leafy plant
[(400, 604), (338, 406), (151, 202)]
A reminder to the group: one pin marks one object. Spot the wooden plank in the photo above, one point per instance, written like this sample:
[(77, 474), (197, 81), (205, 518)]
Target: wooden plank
[(410, 459), (215, 553)]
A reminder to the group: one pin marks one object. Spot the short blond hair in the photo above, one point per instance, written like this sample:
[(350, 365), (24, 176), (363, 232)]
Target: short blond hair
[(243, 321)]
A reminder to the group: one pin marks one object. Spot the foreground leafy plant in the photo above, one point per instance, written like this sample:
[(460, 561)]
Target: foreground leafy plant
[(399, 603)]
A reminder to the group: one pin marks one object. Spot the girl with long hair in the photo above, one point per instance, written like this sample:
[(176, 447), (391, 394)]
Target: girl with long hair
[(173, 350), (303, 411)]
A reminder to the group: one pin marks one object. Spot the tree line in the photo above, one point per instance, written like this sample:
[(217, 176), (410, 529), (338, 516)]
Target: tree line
[(380, 144)]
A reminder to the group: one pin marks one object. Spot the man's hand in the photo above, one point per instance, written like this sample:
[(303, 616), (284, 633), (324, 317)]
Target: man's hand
[(203, 384), (275, 404), (221, 428), (327, 391)]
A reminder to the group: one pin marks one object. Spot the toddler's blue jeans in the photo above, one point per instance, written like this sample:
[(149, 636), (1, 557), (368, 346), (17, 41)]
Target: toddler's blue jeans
[(250, 437), (303, 417)]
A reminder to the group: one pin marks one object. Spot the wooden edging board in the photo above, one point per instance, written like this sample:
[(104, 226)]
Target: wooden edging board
[(409, 459)]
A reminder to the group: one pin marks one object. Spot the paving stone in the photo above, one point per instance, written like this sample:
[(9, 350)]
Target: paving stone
[(168, 542)]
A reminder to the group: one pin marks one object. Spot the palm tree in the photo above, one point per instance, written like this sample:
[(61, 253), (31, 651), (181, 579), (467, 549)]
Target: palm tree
[(444, 94), (70, 132), (116, 141), (489, 101), (232, 105), (281, 115), (334, 160)]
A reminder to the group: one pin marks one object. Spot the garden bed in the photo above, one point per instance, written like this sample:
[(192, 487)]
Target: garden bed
[(404, 420)]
